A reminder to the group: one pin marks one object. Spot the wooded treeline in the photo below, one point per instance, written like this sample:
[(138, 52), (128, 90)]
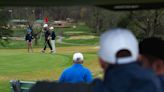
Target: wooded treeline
[(144, 23)]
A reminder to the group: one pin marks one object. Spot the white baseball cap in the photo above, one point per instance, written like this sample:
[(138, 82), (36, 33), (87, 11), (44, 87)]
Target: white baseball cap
[(78, 57), (45, 25), (51, 28), (115, 40)]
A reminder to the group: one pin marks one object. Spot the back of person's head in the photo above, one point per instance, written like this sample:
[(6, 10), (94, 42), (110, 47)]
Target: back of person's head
[(51, 28), (118, 46), (29, 31), (152, 54), (78, 57), (152, 46), (45, 25)]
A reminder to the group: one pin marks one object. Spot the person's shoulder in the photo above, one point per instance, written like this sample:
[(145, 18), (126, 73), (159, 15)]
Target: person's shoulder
[(143, 73), (86, 69), (161, 77), (67, 69)]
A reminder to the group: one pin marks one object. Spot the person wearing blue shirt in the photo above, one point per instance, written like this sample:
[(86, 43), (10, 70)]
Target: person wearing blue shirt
[(77, 73), (152, 56)]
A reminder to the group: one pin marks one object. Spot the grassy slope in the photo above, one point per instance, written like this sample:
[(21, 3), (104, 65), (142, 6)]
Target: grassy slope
[(18, 64), (93, 41)]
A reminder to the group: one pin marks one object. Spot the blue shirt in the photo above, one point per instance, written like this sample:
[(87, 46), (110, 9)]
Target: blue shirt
[(75, 74)]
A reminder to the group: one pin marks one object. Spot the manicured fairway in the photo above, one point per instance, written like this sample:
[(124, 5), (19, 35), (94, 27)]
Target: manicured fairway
[(18, 64)]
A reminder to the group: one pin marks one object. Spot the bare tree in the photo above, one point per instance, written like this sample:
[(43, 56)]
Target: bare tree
[(150, 22)]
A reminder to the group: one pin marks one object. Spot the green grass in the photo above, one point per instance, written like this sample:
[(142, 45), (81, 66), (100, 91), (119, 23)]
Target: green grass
[(18, 64), (4, 86), (83, 41), (79, 28)]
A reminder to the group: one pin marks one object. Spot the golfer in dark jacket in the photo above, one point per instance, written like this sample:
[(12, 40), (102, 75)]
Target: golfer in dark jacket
[(118, 57), (152, 56), (47, 38), (53, 37)]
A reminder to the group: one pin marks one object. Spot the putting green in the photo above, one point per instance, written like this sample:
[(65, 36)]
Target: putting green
[(18, 64)]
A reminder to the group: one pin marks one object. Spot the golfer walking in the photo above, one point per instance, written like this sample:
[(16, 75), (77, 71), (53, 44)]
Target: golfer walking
[(47, 38), (53, 36)]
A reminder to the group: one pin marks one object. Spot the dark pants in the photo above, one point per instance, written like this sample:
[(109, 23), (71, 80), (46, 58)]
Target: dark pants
[(47, 42)]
